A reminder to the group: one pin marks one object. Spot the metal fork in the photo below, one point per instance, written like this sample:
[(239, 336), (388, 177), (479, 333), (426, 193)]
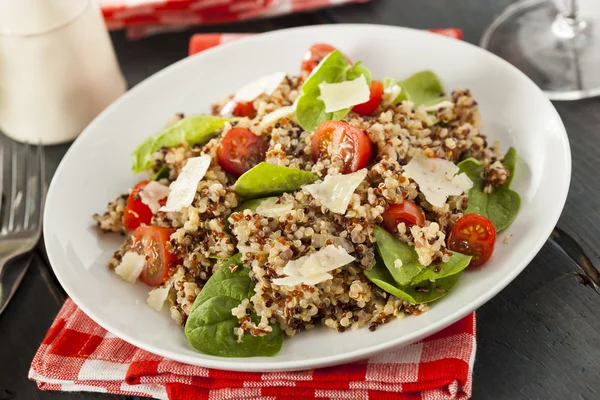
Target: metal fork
[(22, 194)]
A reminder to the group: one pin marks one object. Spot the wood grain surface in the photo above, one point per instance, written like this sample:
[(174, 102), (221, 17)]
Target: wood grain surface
[(538, 339)]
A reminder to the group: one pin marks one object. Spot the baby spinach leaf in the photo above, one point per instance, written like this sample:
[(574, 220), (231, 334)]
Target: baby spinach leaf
[(310, 111), (163, 172), (424, 292), (421, 88), (502, 205), (271, 180), (391, 249), (412, 272), (210, 326), (192, 130)]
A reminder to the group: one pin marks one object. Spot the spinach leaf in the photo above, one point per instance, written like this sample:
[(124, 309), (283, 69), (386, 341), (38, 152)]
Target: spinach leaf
[(210, 326), (192, 130), (391, 249), (424, 292), (163, 172), (412, 272), (310, 111), (270, 180), (421, 88), (502, 205)]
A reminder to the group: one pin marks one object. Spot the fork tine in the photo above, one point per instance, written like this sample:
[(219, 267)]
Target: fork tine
[(29, 180), (13, 187)]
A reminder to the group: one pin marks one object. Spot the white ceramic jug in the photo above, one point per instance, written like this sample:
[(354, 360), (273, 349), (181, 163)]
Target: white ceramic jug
[(58, 69)]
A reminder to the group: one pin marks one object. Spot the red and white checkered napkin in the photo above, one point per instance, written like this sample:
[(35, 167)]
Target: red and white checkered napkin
[(79, 355), (143, 17)]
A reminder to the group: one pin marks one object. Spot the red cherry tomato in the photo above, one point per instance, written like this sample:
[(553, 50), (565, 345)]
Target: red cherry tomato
[(244, 109), (136, 212), (315, 55), (151, 242), (475, 236), (368, 107), (340, 140), (241, 150), (407, 212)]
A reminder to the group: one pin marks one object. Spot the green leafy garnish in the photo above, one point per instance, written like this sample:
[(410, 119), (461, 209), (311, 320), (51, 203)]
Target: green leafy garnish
[(502, 205), (424, 292), (210, 326), (310, 111), (422, 88), (163, 172), (411, 272), (191, 130), (266, 180)]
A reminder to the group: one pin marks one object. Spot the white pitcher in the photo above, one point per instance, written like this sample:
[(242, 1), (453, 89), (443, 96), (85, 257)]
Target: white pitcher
[(58, 69)]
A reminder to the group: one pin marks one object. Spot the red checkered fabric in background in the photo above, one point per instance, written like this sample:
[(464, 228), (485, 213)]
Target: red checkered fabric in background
[(145, 17), (79, 355)]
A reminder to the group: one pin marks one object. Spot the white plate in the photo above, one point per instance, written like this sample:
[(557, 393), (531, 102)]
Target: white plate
[(97, 168)]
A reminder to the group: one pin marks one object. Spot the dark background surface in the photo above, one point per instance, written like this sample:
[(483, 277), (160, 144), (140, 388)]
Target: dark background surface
[(538, 339)]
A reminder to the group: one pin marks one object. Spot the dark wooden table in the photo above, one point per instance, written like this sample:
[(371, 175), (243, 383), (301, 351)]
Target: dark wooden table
[(538, 339)]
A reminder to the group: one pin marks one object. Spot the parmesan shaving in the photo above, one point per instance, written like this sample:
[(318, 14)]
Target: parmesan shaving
[(183, 189), (437, 179), (270, 208), (266, 84), (152, 193), (441, 104), (336, 191), (314, 268), (131, 266), (342, 95), (276, 115), (157, 297)]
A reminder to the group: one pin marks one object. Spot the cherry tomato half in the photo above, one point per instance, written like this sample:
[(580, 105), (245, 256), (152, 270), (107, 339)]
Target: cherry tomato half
[(407, 212), (368, 107), (315, 55), (151, 242), (340, 140), (241, 150), (244, 109), (136, 212), (475, 236)]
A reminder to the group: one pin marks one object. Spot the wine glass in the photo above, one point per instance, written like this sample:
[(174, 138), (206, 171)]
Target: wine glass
[(557, 44)]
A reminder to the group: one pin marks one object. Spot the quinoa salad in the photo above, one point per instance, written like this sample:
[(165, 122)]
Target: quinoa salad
[(329, 198)]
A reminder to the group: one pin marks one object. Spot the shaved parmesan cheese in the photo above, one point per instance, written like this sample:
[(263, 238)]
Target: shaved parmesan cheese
[(437, 106), (266, 84), (437, 179), (338, 96), (336, 191), (390, 93), (313, 269), (183, 189), (157, 297), (131, 266), (270, 208), (152, 193), (272, 117)]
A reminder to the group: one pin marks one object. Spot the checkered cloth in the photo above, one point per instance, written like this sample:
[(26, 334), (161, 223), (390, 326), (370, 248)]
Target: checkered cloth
[(145, 17), (78, 355)]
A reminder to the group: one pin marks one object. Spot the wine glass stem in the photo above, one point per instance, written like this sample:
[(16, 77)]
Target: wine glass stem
[(571, 9)]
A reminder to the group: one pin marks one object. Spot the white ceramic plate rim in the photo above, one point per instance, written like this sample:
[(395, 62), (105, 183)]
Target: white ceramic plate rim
[(232, 364)]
